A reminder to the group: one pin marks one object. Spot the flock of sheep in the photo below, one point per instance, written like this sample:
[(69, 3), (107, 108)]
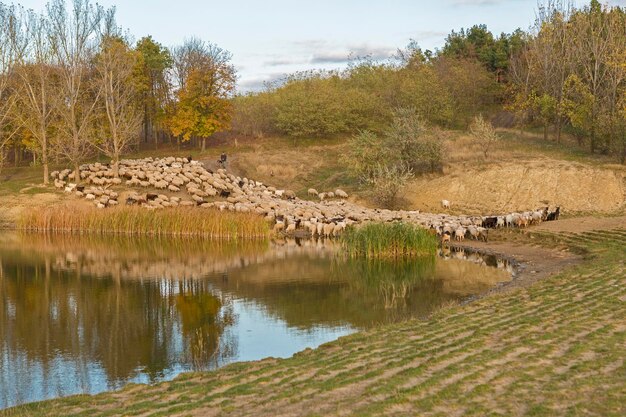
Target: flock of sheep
[(477, 227), (327, 215)]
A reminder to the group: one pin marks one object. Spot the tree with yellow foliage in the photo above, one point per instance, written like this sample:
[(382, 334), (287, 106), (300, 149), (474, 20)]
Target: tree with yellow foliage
[(206, 82)]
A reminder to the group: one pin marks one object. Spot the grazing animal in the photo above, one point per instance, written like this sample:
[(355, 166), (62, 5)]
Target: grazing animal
[(500, 222), (490, 222), (459, 234), (522, 221), (312, 191), (341, 193), (508, 220), (445, 204), (554, 215), (483, 233), (445, 238)]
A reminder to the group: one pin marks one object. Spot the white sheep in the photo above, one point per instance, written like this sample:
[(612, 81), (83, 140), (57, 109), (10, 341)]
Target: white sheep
[(339, 193), (445, 204), (312, 192)]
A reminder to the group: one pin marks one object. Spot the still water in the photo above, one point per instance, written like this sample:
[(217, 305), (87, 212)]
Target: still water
[(85, 315)]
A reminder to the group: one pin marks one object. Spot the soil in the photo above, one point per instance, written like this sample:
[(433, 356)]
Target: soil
[(522, 185), (532, 263)]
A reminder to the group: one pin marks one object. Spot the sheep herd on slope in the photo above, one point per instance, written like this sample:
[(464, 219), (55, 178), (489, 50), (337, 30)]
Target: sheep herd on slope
[(326, 215)]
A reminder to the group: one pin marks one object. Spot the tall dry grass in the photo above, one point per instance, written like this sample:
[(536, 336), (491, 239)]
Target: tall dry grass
[(181, 221)]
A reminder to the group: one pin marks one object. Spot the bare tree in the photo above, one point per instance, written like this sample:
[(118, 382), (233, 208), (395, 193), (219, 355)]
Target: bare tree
[(115, 64), (35, 82), (73, 37), (484, 134), (8, 55), (590, 48)]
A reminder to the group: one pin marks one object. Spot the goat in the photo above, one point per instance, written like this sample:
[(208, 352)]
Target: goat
[(490, 222), (554, 215)]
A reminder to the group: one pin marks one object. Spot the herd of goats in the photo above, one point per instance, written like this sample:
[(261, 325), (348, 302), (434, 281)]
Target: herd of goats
[(326, 214)]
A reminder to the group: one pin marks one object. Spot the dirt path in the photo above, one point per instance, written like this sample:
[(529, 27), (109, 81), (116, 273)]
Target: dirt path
[(583, 224)]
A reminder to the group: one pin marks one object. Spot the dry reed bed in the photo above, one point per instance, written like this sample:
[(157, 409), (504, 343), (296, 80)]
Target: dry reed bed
[(180, 221)]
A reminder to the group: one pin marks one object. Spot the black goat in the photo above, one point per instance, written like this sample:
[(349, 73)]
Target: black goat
[(224, 193), (490, 222), (554, 215)]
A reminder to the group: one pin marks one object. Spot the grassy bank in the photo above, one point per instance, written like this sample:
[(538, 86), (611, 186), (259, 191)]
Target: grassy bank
[(182, 221), (388, 240), (554, 348)]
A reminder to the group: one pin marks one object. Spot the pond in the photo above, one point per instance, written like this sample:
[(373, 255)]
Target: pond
[(85, 315)]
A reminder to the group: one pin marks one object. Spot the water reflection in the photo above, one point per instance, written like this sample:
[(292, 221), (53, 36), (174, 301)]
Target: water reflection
[(84, 314)]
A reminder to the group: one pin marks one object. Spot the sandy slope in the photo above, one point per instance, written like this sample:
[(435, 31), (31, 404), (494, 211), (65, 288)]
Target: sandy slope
[(523, 185)]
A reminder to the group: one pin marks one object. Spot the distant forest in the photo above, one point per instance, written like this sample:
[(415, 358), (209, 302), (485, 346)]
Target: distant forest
[(73, 85)]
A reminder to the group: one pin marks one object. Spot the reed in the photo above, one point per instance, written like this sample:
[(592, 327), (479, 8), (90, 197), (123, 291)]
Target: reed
[(181, 221), (388, 240)]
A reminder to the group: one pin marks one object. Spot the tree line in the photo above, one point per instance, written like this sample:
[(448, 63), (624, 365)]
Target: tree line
[(73, 84), (571, 74), (564, 75)]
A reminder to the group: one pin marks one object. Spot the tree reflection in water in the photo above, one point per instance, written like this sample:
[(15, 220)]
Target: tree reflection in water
[(86, 314)]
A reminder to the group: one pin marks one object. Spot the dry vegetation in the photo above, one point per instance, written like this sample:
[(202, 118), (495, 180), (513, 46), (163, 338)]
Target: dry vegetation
[(139, 221)]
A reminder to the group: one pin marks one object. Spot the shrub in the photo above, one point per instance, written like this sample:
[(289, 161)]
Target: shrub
[(484, 134)]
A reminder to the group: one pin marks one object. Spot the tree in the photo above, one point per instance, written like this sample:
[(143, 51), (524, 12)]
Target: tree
[(115, 64), (254, 114), (36, 81), (206, 82), (73, 39), (484, 134), (153, 63), (590, 48), (9, 54), (387, 180)]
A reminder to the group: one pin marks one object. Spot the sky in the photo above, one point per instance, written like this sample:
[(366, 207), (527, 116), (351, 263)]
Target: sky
[(270, 38)]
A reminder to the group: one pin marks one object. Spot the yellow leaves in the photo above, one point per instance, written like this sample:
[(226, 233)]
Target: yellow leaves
[(199, 111)]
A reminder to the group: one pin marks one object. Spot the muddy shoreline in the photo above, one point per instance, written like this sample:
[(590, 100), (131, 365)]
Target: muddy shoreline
[(531, 263)]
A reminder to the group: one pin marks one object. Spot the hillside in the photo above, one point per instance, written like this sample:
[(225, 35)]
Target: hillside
[(522, 173)]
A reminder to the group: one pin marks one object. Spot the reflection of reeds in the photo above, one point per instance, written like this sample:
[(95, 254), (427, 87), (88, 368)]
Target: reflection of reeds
[(180, 221), (388, 240), (126, 246), (392, 279)]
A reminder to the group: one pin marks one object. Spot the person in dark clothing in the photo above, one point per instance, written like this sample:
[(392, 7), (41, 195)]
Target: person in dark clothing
[(222, 160)]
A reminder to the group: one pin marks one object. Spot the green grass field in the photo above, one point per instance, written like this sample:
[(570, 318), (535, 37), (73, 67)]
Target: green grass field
[(554, 348)]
